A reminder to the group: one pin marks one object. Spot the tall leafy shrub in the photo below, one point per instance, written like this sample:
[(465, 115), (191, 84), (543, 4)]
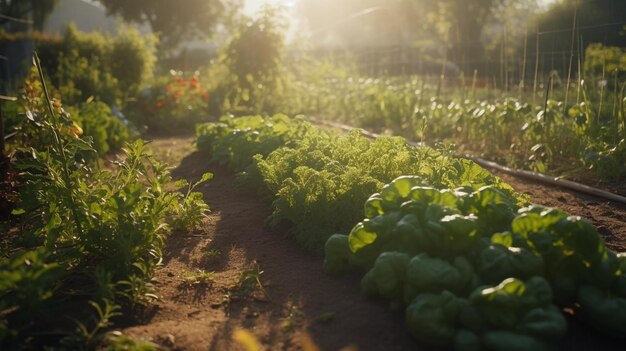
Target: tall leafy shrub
[(95, 64)]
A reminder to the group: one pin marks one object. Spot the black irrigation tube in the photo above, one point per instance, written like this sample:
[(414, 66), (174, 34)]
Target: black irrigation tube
[(539, 177)]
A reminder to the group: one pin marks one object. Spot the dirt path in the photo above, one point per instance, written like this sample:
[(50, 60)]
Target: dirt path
[(294, 298), (300, 298)]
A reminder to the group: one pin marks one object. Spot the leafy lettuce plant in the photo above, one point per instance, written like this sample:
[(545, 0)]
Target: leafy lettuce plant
[(474, 270)]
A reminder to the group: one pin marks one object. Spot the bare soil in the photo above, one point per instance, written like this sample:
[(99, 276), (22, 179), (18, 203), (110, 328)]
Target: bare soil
[(293, 301)]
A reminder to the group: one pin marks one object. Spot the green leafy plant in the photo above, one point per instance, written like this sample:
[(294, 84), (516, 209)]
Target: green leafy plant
[(197, 277), (113, 69), (250, 280), (475, 270), (191, 208), (90, 237)]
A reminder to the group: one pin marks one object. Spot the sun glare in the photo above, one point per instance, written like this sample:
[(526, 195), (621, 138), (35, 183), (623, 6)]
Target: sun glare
[(252, 6)]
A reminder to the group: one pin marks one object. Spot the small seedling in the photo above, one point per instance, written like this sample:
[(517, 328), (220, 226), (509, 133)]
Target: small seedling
[(212, 253), (249, 280), (198, 277), (291, 321)]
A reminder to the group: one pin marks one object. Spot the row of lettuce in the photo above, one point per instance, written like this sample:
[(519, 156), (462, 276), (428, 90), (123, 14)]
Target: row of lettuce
[(471, 263), (79, 241)]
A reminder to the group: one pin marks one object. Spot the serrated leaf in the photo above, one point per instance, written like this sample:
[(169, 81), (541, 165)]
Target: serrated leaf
[(206, 177), (84, 145), (181, 183)]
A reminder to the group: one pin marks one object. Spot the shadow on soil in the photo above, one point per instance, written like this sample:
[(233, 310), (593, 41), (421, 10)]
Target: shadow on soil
[(299, 293)]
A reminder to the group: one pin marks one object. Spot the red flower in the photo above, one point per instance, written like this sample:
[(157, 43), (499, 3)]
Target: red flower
[(159, 105), (168, 88)]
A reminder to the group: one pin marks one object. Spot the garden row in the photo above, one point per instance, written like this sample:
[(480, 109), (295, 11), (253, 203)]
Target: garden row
[(541, 134), (564, 129), (79, 244), (317, 179), (547, 136), (535, 130), (471, 263)]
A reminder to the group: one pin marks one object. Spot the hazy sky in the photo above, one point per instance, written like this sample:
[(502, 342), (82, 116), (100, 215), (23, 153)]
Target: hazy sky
[(252, 6)]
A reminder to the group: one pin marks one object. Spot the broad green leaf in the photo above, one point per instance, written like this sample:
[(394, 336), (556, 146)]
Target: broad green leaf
[(399, 189), (509, 286), (504, 239), (423, 194), (373, 206), (18, 211), (359, 238), (535, 219), (489, 195)]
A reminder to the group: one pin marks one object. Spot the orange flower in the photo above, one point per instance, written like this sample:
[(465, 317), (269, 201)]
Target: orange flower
[(76, 130), (73, 130), (159, 105)]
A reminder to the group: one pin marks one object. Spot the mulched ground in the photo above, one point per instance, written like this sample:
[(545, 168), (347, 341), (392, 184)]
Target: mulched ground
[(295, 301)]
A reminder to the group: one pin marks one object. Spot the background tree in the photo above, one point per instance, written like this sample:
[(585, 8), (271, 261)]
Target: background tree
[(35, 10), (463, 28), (598, 21), (175, 20)]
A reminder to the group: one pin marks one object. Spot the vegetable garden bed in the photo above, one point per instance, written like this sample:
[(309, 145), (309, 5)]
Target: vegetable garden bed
[(476, 266), (302, 299)]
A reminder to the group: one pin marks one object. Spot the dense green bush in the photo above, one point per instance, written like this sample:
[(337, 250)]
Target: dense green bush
[(95, 64), (250, 71), (175, 102), (605, 60)]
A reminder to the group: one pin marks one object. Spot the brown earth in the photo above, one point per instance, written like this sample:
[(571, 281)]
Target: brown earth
[(292, 301)]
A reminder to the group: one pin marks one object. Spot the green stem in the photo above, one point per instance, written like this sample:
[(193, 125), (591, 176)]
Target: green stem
[(61, 149)]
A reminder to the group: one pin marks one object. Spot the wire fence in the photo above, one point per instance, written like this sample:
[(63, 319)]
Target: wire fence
[(540, 59)]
